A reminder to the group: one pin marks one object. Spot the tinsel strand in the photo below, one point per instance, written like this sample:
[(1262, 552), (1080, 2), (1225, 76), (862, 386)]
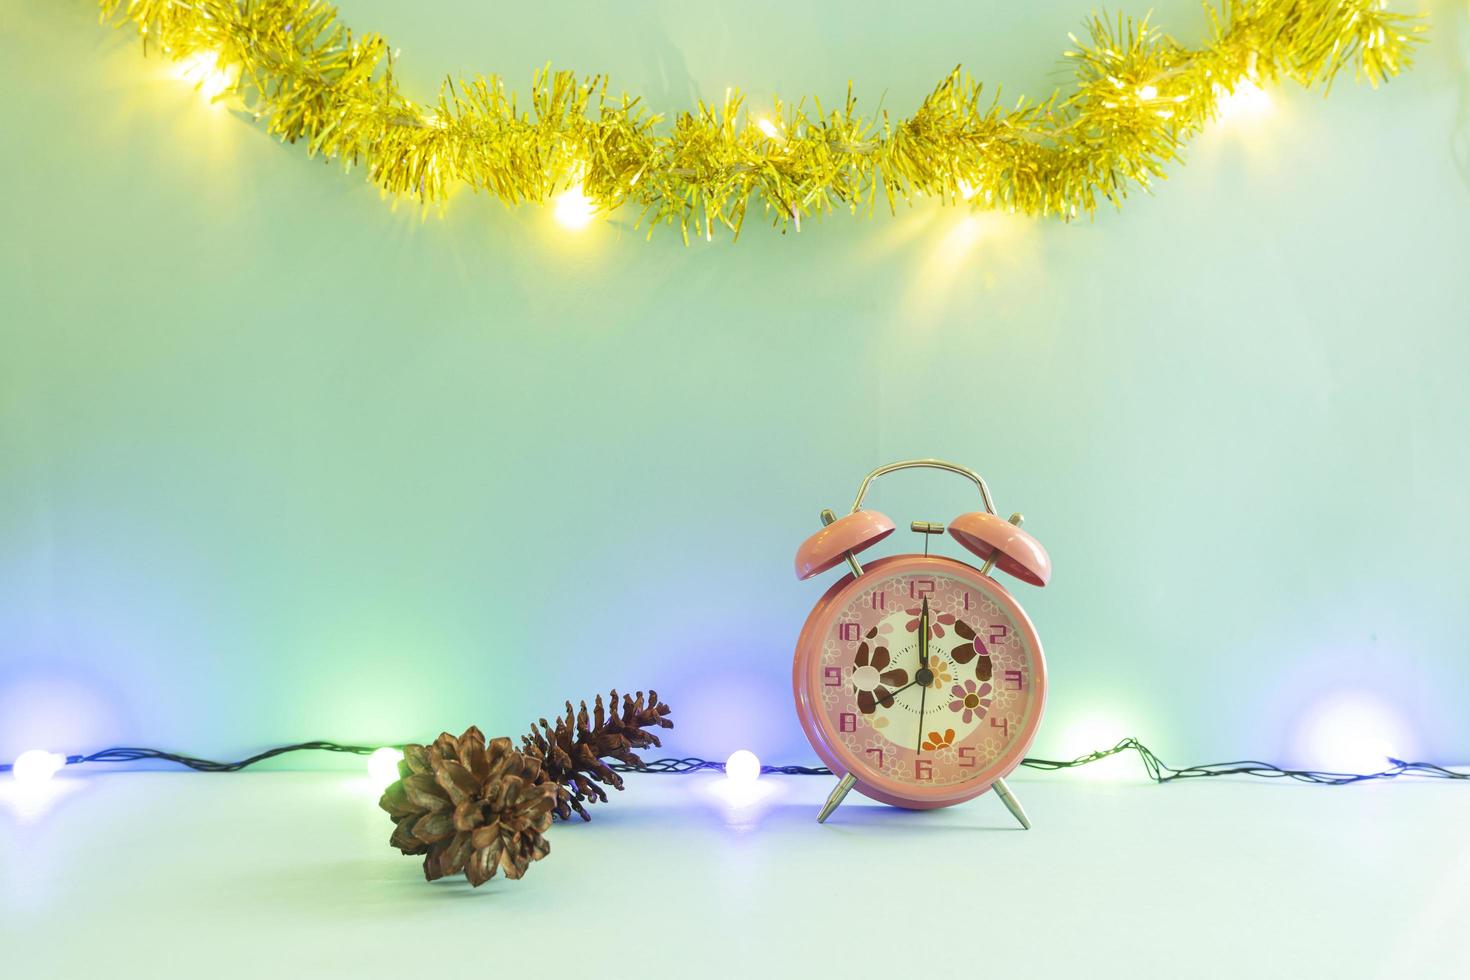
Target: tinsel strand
[(1138, 97)]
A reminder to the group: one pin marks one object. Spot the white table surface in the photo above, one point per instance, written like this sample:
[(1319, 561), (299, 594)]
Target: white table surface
[(286, 874)]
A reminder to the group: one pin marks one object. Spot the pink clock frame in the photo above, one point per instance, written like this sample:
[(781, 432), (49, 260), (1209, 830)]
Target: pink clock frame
[(806, 679)]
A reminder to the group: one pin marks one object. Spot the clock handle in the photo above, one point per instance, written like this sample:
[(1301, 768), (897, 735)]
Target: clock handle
[(928, 464)]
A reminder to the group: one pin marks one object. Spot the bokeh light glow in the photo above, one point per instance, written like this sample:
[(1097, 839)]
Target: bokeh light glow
[(573, 209), (741, 789), (382, 767), (742, 768), (201, 68), (1243, 101), (1352, 731), (1092, 733), (37, 766)]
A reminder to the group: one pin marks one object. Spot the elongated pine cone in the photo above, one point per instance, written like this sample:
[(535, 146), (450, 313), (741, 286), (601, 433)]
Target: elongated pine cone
[(470, 806), (571, 752)]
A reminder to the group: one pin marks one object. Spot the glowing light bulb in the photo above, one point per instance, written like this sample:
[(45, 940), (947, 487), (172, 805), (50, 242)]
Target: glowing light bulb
[(767, 127), (36, 766), (742, 768), (1148, 92), (1096, 733), (382, 767), (1353, 731), (1244, 100), (202, 69), (573, 209)]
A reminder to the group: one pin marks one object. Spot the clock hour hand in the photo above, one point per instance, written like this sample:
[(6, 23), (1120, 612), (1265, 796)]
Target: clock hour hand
[(897, 691)]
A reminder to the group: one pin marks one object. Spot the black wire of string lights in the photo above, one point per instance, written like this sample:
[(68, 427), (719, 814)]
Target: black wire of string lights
[(1157, 770)]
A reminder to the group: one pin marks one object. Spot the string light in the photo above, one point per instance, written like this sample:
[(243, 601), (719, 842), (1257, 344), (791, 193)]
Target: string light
[(1156, 768), (36, 766), (1244, 100), (1081, 734), (382, 767), (1351, 731), (573, 209), (742, 768), (202, 68), (1063, 156), (742, 789)]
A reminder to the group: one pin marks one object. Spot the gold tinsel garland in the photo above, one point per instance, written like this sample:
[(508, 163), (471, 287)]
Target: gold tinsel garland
[(1139, 96)]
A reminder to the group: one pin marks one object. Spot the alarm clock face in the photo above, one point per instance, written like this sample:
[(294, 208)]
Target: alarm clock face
[(920, 731)]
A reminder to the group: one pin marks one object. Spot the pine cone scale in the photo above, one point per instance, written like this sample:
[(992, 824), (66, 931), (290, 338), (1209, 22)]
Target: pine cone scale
[(424, 793), (433, 827), (571, 751), (470, 806)]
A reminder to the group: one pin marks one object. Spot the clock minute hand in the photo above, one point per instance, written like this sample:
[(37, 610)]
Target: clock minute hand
[(919, 675), (924, 634)]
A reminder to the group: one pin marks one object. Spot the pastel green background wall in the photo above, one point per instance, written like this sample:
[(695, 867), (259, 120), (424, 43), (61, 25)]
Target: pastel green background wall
[(279, 461)]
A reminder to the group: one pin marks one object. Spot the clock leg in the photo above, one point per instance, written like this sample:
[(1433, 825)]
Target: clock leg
[(1012, 804), (838, 795)]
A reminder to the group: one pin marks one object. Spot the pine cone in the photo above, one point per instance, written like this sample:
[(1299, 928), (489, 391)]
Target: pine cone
[(571, 752), (470, 807)]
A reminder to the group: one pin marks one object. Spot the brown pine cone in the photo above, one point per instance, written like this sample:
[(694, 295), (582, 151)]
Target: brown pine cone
[(571, 752), (470, 806)]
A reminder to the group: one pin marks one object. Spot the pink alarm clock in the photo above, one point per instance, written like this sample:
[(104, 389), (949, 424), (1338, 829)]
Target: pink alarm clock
[(919, 679)]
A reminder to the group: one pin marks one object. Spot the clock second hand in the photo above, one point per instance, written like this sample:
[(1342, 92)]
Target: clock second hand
[(923, 669)]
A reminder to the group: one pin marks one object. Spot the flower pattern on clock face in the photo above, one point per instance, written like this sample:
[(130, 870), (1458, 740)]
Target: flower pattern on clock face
[(939, 668), (874, 679), (937, 623), (973, 648), (939, 740), (978, 700), (970, 701)]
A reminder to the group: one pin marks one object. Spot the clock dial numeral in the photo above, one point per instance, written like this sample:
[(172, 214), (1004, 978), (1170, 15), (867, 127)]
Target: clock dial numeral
[(967, 600), (848, 631), (998, 633), (924, 770), (920, 587), (967, 757), (847, 722), (1015, 680), (879, 754), (880, 600), (1001, 722), (831, 676)]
